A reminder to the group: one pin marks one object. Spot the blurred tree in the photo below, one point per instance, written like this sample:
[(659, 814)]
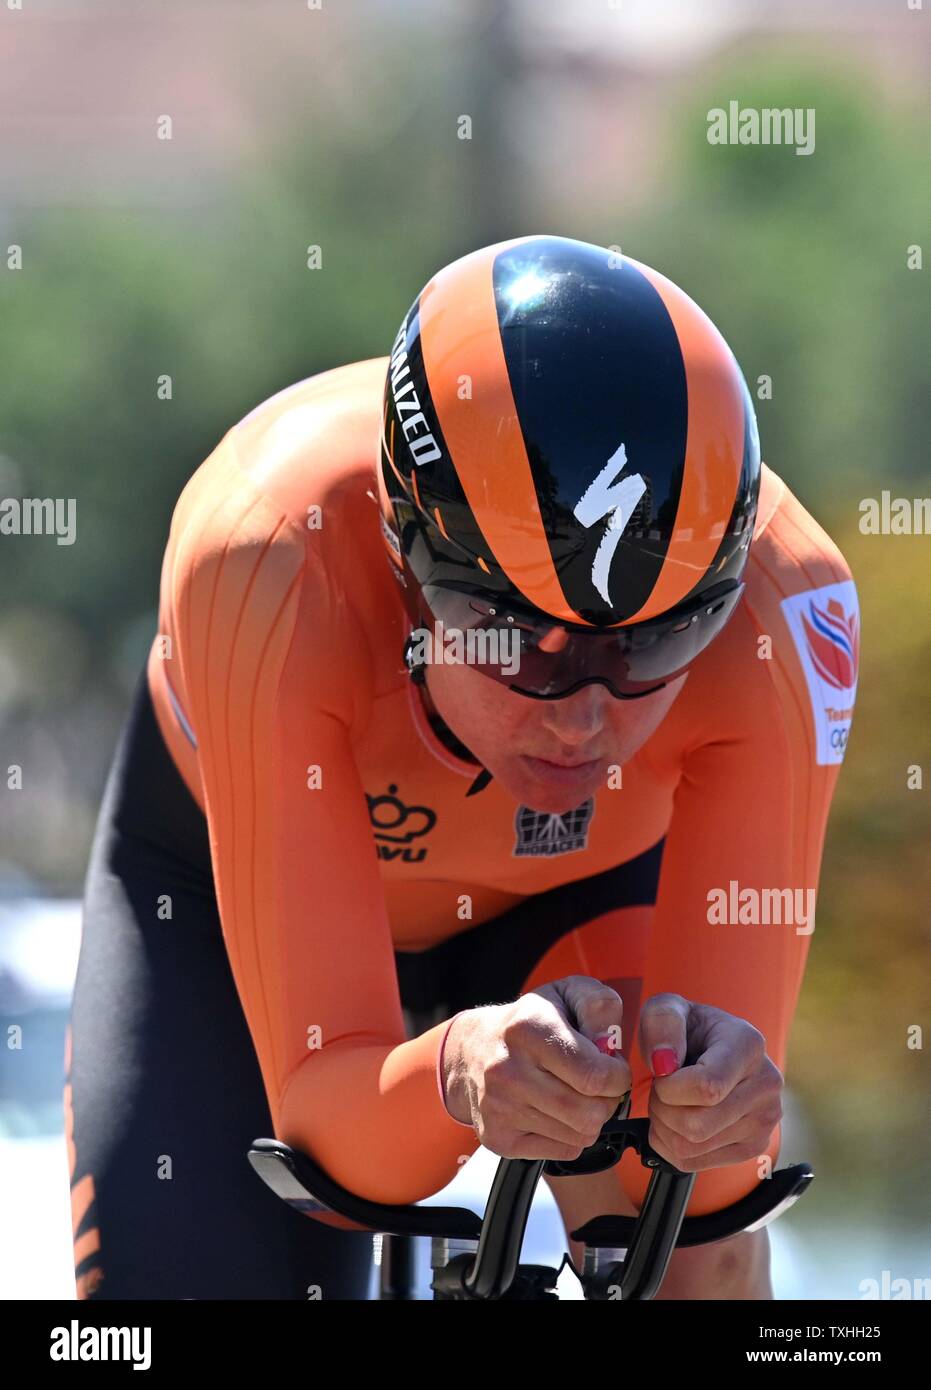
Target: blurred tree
[(801, 261)]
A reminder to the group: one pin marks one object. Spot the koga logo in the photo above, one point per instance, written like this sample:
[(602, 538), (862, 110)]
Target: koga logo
[(544, 833), (825, 626), (420, 441), (396, 825)]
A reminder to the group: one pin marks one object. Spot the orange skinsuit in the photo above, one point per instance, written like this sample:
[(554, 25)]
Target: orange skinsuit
[(279, 686)]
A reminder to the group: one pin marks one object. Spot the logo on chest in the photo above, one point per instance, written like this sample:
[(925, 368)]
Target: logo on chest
[(396, 826), (545, 833)]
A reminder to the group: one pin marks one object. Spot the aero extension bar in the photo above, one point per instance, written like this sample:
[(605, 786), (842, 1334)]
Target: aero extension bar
[(478, 1257)]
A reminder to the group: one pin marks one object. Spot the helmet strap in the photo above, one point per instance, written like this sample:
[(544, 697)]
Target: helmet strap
[(480, 783), (418, 674), (416, 670)]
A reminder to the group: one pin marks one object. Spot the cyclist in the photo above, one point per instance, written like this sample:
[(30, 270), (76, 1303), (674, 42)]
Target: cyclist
[(400, 856)]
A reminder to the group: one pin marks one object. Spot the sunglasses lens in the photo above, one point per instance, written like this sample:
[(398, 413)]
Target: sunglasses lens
[(543, 659)]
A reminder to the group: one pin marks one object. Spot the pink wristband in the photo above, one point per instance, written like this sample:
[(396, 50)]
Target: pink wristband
[(439, 1071)]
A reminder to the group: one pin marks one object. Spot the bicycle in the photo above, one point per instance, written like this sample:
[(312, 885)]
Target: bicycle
[(478, 1257)]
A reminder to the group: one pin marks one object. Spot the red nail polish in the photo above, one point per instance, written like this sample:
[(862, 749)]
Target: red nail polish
[(606, 1044), (664, 1061)]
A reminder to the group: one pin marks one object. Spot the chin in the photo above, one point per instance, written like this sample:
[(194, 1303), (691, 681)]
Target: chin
[(552, 800)]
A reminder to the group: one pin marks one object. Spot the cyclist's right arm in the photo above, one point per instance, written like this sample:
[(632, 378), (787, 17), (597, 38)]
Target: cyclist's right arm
[(270, 669)]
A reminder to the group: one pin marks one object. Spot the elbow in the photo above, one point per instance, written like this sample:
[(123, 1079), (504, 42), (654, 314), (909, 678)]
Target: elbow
[(383, 1147)]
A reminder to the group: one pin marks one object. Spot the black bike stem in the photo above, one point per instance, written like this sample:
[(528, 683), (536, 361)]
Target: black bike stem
[(505, 1221)]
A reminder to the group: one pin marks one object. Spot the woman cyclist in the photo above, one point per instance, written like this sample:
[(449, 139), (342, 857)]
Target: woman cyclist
[(479, 773)]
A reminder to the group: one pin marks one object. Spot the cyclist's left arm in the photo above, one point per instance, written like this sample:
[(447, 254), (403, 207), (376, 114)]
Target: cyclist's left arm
[(735, 908)]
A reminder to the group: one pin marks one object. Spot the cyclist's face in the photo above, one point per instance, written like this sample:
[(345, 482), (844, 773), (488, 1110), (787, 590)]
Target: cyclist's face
[(549, 754)]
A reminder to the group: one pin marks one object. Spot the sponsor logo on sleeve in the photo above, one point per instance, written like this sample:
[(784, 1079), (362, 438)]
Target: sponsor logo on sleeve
[(825, 626)]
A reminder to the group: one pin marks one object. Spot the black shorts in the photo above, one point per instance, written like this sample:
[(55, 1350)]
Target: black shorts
[(164, 1093)]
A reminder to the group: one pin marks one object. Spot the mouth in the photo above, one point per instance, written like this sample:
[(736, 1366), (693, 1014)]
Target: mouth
[(558, 772)]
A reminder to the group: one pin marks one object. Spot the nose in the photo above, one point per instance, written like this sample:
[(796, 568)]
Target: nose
[(578, 718)]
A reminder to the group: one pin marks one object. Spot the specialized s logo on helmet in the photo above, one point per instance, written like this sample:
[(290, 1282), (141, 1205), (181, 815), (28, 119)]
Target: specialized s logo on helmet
[(616, 500)]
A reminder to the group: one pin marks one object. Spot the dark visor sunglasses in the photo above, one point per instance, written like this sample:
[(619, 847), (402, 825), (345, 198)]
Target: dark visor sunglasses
[(537, 656)]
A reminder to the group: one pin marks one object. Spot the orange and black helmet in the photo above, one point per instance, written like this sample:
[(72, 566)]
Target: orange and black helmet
[(569, 446)]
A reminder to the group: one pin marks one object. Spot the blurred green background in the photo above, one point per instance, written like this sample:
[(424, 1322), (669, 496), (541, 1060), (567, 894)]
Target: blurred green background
[(339, 127)]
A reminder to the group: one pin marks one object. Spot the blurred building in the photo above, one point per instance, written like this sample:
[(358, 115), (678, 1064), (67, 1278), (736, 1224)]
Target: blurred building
[(577, 94)]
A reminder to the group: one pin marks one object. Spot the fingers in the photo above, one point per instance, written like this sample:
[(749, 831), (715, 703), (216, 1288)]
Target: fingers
[(569, 1114), (663, 1032), (731, 1051), (740, 1127), (518, 1097), (568, 1051), (739, 1143), (534, 1133), (549, 1121), (534, 1146), (723, 1106), (595, 1008), (542, 1082)]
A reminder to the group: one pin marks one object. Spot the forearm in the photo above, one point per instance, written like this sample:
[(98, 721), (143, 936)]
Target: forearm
[(373, 1117)]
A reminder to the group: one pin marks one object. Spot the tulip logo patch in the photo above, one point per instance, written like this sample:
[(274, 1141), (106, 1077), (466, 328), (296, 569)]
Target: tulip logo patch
[(825, 626)]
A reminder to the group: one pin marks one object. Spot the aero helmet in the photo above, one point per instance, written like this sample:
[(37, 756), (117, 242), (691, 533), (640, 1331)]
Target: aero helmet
[(569, 453)]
